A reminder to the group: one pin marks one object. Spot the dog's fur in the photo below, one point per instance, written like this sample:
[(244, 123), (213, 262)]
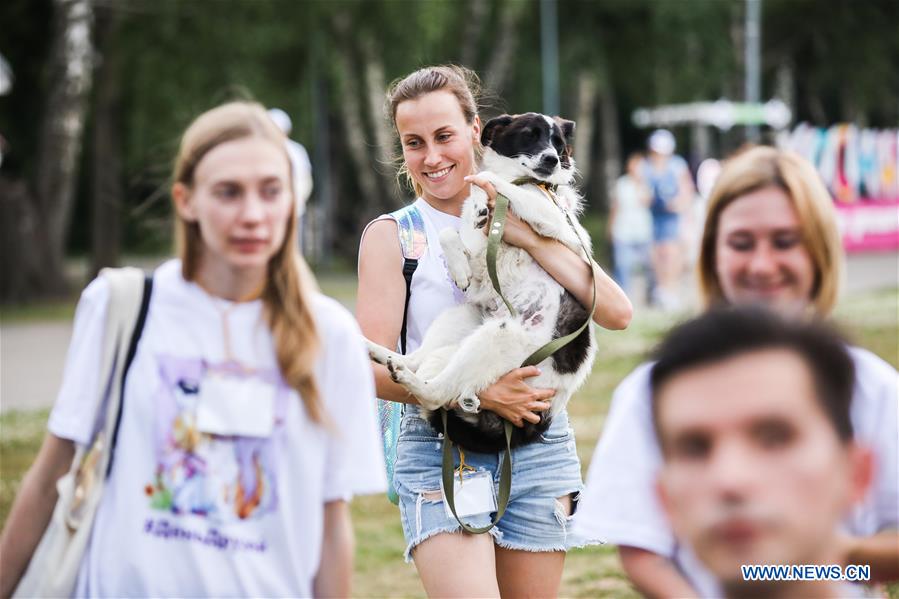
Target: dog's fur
[(469, 347)]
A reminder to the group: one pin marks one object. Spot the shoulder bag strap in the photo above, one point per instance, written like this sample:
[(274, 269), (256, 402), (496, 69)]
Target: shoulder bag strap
[(132, 350)]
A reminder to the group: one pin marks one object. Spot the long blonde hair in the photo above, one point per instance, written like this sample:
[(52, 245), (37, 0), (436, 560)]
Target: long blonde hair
[(463, 83), (289, 282), (761, 167)]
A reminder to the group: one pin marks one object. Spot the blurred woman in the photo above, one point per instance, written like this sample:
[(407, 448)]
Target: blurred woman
[(247, 416), (771, 239)]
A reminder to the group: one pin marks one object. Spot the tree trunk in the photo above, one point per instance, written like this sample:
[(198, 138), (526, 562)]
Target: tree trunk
[(583, 133), (476, 17), (376, 88), (34, 257), (370, 202), (609, 141), (106, 181), (504, 50)]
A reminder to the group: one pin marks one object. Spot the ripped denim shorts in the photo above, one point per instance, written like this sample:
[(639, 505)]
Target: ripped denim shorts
[(542, 472)]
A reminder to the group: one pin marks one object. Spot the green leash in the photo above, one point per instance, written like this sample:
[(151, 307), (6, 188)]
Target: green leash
[(500, 211), (505, 478)]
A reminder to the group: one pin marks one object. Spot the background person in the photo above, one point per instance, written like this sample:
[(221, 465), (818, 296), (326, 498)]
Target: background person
[(236, 312), (301, 166), (770, 238), (759, 465), (630, 226), (434, 113), (668, 178)]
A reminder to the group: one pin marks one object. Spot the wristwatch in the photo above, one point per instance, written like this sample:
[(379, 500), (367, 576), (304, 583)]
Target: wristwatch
[(470, 404)]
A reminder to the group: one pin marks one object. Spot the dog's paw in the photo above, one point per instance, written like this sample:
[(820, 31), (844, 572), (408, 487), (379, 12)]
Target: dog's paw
[(482, 215), (460, 273), (456, 258), (378, 353), (479, 211), (399, 373)]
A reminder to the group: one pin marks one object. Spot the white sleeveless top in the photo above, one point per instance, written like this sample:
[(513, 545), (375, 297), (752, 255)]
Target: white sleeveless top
[(433, 291)]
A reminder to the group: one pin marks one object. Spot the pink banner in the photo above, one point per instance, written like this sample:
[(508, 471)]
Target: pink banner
[(869, 225)]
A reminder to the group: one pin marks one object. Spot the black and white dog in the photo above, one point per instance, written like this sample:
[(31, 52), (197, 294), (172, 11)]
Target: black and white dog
[(470, 346)]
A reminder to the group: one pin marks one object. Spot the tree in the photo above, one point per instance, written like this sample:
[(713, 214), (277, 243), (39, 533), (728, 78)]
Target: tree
[(37, 211)]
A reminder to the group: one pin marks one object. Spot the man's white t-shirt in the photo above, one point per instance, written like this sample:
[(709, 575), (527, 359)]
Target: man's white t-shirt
[(620, 506), (187, 513)]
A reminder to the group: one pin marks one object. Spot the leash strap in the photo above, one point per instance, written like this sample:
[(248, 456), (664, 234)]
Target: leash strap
[(500, 211), (505, 478), (557, 344)]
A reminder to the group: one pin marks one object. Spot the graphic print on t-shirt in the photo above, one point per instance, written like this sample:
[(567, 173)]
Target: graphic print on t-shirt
[(225, 478)]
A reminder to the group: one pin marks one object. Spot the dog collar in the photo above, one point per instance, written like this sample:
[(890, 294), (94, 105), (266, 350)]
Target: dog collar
[(550, 187)]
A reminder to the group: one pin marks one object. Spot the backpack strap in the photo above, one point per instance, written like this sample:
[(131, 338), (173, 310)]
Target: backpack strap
[(413, 242)]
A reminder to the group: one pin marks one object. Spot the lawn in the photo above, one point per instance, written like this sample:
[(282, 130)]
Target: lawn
[(870, 319)]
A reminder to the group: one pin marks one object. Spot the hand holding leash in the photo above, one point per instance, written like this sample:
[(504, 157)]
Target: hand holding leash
[(514, 400), (516, 232)]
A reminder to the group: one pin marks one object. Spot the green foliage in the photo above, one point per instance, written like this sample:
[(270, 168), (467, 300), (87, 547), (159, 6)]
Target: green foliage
[(180, 57)]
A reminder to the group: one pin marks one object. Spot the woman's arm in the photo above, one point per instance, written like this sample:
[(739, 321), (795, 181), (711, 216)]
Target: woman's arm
[(613, 308), (380, 300), (686, 191), (335, 571), (654, 575), (880, 551), (32, 509)]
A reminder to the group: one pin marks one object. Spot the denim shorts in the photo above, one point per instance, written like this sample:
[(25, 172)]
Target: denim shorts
[(665, 226), (542, 472)]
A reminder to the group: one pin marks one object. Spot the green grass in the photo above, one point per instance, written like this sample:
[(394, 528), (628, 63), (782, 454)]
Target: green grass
[(870, 319)]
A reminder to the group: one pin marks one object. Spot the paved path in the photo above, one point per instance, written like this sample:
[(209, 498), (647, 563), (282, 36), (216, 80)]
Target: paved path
[(32, 355)]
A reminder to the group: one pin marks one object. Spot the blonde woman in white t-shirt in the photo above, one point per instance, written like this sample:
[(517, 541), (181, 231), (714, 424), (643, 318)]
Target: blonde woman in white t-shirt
[(202, 500), (435, 115), (771, 239)]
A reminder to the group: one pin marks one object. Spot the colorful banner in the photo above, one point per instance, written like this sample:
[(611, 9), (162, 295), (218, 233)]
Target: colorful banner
[(869, 225), (861, 169)]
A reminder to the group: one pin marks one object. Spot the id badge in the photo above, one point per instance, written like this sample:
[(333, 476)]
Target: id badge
[(473, 495), (239, 406)]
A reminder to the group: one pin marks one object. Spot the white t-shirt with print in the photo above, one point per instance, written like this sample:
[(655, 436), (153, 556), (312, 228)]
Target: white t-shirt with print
[(195, 514), (620, 506)]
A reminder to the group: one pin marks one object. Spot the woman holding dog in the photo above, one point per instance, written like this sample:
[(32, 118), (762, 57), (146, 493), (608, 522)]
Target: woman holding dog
[(770, 238), (235, 459), (434, 112)]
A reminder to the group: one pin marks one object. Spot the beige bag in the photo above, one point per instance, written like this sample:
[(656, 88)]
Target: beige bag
[(53, 569)]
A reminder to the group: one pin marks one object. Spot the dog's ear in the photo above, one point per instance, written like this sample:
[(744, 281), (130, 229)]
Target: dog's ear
[(567, 129), (494, 126)]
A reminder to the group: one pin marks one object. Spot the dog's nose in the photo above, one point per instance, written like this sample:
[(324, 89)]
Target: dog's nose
[(549, 161)]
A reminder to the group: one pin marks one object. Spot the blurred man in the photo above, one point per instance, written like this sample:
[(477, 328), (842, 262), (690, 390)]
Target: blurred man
[(759, 464)]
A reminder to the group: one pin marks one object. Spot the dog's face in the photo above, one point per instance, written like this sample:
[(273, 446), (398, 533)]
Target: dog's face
[(530, 145)]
